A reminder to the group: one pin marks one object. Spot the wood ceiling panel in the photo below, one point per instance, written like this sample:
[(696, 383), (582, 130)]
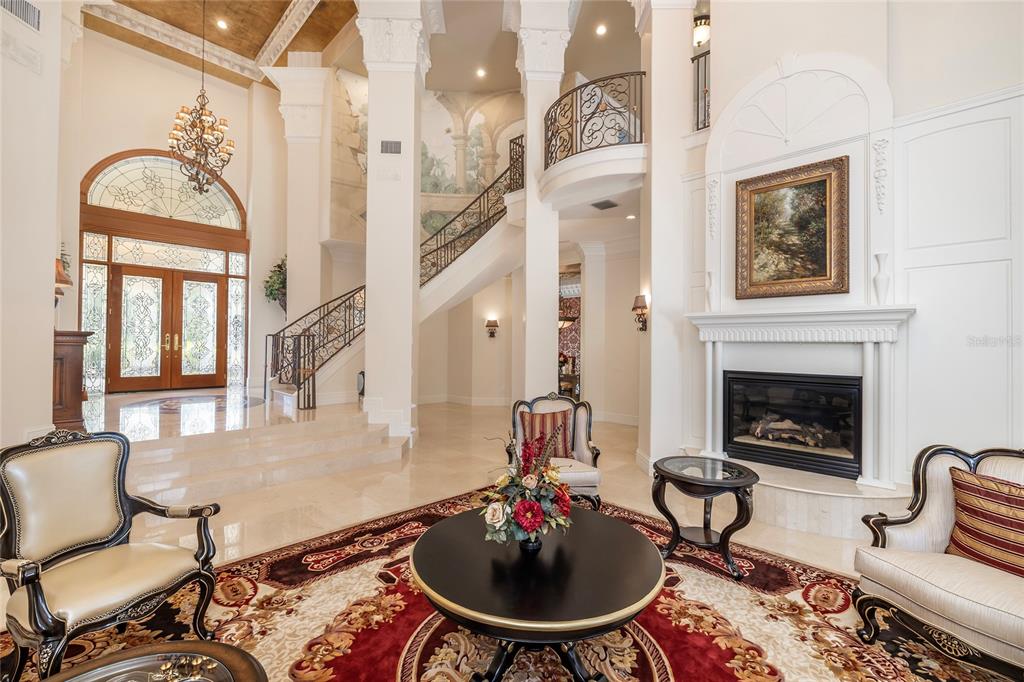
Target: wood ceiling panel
[(158, 48), (329, 17), (249, 23)]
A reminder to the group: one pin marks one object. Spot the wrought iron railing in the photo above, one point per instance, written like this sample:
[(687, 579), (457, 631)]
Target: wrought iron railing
[(296, 352), (602, 113), (471, 223), (701, 90)]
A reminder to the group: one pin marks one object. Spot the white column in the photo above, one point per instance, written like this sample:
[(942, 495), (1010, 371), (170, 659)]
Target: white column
[(709, 397), (884, 452), (868, 410), (664, 27), (70, 178), (304, 106), (541, 52), (395, 53), (459, 142), (594, 301), (718, 401)]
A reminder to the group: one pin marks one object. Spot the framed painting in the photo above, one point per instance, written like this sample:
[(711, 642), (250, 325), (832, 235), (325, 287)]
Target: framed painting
[(792, 231)]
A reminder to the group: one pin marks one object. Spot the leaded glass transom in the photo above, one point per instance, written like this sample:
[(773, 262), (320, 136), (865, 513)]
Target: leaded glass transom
[(94, 246), (154, 185), (236, 331), (158, 254), (236, 264), (94, 319)]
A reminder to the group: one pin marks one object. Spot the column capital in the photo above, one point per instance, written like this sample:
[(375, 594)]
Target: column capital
[(542, 53), (642, 10), (303, 92), (394, 44), (592, 249)]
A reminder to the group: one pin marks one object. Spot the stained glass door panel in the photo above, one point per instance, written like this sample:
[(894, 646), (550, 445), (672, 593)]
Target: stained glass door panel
[(138, 329), (199, 346)]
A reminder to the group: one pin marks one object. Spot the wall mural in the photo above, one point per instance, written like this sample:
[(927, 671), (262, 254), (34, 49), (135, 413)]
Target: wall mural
[(464, 144)]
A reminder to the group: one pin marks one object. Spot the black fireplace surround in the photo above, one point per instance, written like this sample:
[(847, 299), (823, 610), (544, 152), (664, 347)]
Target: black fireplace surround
[(800, 421)]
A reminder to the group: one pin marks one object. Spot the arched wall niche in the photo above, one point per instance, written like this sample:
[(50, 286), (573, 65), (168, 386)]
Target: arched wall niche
[(805, 108)]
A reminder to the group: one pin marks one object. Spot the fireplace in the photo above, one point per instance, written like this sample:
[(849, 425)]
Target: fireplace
[(801, 421)]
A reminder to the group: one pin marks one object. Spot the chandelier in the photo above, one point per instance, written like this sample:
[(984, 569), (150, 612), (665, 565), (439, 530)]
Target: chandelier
[(197, 139)]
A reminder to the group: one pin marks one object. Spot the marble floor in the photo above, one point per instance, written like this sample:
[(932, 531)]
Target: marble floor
[(458, 448)]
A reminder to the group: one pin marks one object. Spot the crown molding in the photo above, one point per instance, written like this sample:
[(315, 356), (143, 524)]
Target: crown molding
[(173, 37), (293, 19)]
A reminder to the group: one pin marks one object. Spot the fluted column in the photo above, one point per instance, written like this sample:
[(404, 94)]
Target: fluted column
[(395, 36), (305, 108)]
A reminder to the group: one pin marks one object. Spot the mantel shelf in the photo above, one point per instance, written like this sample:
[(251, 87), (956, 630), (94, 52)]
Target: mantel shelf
[(875, 324)]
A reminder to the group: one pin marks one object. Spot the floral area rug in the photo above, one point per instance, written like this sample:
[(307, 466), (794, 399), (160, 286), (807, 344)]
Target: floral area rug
[(342, 607)]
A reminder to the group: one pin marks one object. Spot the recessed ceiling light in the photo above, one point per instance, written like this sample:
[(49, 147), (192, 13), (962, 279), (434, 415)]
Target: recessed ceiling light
[(480, 73), (222, 25), (601, 29), (631, 217)]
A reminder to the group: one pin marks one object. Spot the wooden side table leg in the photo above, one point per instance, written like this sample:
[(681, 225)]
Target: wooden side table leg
[(744, 511), (501, 662), (707, 512), (658, 495)]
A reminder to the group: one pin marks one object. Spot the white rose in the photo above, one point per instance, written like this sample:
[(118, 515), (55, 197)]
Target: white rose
[(495, 514), (530, 481)]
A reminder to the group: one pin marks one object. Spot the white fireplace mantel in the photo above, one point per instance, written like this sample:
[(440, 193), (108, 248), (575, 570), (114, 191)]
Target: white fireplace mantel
[(876, 329)]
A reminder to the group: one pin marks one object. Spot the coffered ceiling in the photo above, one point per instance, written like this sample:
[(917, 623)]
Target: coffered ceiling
[(255, 34)]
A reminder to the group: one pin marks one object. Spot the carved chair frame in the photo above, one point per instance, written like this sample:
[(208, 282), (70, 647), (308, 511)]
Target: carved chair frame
[(869, 606), (574, 407), (46, 632)]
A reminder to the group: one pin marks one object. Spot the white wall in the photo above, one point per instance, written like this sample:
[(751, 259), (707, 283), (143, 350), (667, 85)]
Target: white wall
[(622, 341), (30, 72), (460, 353), (433, 360)]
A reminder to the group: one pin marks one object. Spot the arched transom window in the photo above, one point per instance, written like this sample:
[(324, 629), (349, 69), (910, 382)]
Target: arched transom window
[(153, 185)]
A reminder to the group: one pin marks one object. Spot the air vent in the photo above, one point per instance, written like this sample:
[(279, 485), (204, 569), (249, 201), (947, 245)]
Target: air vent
[(22, 9), (604, 204), (390, 146)]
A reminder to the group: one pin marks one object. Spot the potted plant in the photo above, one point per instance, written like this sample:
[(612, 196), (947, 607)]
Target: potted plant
[(528, 499), (275, 286)]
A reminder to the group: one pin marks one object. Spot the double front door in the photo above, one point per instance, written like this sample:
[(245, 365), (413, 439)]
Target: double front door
[(166, 329)]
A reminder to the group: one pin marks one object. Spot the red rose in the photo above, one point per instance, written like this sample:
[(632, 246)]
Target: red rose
[(562, 501), (529, 515)]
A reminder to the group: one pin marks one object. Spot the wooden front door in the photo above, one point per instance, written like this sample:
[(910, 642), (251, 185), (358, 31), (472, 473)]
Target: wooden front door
[(167, 329)]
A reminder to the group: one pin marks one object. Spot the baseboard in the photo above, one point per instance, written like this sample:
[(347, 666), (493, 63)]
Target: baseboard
[(616, 418), (643, 461)]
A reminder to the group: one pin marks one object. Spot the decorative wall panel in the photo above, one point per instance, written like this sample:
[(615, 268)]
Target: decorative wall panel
[(157, 254)]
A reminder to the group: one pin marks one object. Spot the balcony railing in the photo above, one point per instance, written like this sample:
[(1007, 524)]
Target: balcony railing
[(701, 90), (602, 113)]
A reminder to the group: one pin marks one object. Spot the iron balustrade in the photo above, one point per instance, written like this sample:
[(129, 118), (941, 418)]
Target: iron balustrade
[(296, 352), (602, 113), (701, 90)]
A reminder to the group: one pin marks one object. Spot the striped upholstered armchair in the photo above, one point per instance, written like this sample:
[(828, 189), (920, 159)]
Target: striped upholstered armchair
[(576, 456)]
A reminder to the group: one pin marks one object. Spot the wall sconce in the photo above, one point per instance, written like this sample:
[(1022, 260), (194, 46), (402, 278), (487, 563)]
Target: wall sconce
[(492, 328), (701, 29), (640, 311)]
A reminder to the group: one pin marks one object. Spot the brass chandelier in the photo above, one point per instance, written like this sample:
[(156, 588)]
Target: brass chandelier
[(197, 139)]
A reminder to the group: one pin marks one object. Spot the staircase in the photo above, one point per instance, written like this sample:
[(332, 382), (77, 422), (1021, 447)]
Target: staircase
[(297, 352)]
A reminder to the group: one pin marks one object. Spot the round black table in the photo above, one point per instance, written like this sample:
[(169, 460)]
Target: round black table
[(593, 579), (173, 661), (706, 478)]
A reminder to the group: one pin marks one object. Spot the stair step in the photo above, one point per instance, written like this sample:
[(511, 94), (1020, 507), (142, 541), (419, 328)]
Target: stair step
[(210, 487), (157, 465)]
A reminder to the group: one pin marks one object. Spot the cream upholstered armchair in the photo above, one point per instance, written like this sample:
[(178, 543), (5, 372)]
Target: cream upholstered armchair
[(65, 551), (969, 610), (579, 469)]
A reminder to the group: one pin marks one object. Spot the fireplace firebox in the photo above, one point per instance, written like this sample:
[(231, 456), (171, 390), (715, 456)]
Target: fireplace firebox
[(801, 421)]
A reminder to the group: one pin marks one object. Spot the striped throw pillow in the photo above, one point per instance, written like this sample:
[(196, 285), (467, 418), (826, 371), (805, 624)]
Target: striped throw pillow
[(536, 424), (989, 524)]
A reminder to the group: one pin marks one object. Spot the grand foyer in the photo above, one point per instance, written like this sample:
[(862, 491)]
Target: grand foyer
[(485, 202)]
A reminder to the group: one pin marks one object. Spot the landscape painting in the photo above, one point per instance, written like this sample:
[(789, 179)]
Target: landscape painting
[(791, 232)]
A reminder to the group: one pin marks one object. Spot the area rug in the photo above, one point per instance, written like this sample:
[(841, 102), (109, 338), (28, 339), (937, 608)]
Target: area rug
[(342, 607)]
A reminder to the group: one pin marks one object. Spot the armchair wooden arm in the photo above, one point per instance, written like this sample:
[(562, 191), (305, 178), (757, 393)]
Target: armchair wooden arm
[(26, 573), (201, 512)]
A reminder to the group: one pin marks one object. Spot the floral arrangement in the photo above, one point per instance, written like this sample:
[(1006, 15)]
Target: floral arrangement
[(528, 499)]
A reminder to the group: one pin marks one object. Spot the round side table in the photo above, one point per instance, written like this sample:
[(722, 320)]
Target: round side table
[(705, 478), (592, 580)]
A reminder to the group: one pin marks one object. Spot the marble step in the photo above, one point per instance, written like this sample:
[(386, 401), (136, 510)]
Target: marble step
[(156, 466), (212, 486)]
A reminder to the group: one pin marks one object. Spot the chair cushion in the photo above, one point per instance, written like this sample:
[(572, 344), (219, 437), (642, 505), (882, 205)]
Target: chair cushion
[(536, 424), (989, 523), (96, 585), (581, 478), (983, 599)]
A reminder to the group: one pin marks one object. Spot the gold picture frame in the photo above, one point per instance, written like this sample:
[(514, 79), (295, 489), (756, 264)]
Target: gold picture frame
[(792, 231)]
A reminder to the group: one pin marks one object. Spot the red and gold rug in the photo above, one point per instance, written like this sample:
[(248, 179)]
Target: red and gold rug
[(342, 607)]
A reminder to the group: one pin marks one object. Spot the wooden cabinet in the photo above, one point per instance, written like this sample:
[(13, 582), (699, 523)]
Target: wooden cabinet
[(68, 347)]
